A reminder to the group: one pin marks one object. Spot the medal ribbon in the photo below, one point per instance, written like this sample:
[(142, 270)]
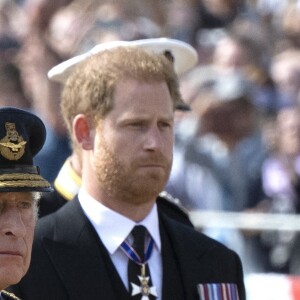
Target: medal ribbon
[(131, 253)]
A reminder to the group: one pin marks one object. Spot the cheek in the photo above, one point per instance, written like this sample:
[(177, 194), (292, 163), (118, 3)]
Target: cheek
[(28, 241), (126, 146), (169, 143)]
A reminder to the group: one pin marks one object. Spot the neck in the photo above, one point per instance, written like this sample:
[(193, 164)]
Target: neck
[(136, 213), (76, 163), (135, 210)]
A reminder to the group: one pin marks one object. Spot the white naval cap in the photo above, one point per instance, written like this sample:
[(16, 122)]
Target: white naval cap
[(184, 56)]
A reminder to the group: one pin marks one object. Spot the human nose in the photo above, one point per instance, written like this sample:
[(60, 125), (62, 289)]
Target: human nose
[(12, 223), (153, 138)]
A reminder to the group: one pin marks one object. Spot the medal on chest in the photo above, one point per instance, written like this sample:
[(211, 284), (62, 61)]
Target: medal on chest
[(144, 289)]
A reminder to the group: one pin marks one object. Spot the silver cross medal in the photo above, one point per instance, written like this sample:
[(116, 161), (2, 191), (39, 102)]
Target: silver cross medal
[(144, 289)]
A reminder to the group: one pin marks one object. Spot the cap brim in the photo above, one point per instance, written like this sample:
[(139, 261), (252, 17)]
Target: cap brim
[(185, 56)]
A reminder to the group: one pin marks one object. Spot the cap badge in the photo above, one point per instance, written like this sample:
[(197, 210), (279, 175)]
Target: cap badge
[(12, 146)]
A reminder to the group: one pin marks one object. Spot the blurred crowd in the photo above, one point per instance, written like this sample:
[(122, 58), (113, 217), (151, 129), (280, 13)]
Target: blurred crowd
[(238, 149)]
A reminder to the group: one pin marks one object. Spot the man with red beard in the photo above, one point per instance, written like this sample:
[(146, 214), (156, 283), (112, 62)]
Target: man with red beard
[(111, 242), (68, 181)]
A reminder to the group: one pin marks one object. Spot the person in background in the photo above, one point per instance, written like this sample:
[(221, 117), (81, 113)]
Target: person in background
[(12, 93), (218, 166), (34, 58), (285, 71), (119, 109), (281, 183), (226, 146), (22, 135)]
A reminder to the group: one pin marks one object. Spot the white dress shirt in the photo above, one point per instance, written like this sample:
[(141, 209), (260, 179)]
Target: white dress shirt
[(113, 228)]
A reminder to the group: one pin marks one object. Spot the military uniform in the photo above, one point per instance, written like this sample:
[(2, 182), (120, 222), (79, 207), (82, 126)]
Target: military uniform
[(8, 296), (22, 135)]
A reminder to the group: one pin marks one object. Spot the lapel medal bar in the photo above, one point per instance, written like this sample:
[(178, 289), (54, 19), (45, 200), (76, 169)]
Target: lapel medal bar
[(218, 291)]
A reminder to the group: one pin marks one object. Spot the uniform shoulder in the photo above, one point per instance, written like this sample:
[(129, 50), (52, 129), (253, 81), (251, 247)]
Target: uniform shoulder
[(173, 202), (173, 208)]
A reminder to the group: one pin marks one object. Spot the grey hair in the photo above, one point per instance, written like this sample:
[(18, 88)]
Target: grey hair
[(36, 196)]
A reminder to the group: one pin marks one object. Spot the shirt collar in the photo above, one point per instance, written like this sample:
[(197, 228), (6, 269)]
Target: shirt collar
[(112, 227)]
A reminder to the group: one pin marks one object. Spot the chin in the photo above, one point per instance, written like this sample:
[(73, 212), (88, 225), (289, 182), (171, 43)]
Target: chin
[(10, 277), (154, 174), (149, 188)]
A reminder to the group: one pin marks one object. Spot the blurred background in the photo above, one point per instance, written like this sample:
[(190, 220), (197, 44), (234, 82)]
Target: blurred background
[(237, 150)]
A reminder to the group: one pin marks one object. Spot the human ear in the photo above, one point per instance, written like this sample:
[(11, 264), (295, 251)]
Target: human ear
[(82, 132)]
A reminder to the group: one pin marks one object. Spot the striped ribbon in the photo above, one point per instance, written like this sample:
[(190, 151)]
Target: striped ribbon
[(218, 291), (132, 254)]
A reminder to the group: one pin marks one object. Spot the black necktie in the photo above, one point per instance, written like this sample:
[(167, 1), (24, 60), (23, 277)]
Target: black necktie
[(138, 274)]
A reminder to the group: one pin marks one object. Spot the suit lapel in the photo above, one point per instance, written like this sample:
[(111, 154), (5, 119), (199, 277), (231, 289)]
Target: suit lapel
[(172, 282), (184, 256), (76, 252)]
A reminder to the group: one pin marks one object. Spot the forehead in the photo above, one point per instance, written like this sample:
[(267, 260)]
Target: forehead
[(10, 196), (132, 94)]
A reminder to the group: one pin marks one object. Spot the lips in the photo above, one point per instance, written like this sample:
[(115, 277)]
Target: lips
[(154, 162), (153, 166), (11, 252)]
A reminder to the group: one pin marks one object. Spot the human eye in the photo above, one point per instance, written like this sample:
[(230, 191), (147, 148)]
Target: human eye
[(138, 125), (165, 124), (135, 124), (25, 204)]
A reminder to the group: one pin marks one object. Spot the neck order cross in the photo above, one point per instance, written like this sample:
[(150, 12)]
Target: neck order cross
[(138, 269)]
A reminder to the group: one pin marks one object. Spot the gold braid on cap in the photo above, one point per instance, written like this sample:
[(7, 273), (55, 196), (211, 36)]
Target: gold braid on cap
[(13, 296), (20, 180)]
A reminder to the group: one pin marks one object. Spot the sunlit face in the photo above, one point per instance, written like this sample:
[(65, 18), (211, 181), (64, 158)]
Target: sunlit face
[(17, 220), (230, 55), (134, 142), (288, 121)]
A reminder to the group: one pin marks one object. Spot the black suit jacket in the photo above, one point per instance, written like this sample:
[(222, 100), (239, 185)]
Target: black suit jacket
[(70, 262)]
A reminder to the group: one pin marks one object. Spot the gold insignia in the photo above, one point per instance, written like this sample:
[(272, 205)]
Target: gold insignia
[(12, 146)]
